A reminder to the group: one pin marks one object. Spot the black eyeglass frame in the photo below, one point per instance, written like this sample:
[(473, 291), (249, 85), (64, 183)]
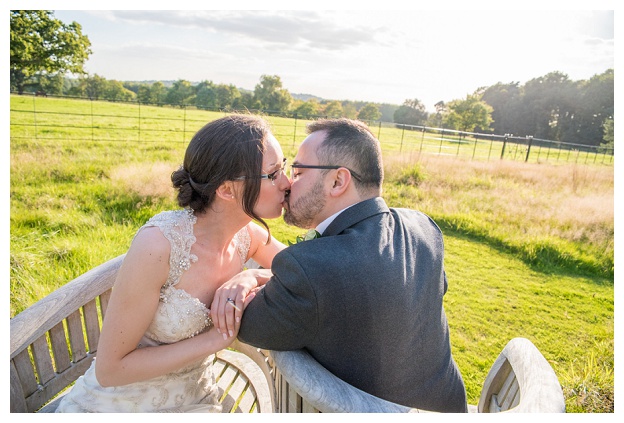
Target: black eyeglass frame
[(302, 166)]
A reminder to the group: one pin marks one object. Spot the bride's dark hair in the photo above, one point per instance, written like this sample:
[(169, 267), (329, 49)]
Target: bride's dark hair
[(222, 150)]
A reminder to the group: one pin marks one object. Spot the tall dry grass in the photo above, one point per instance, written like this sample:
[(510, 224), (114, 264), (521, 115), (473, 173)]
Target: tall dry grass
[(566, 207)]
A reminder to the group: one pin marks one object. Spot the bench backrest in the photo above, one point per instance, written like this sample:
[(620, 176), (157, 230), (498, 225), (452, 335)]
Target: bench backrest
[(54, 341), (49, 349), (522, 381)]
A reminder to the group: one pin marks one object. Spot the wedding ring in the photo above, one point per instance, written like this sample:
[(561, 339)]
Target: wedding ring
[(232, 303)]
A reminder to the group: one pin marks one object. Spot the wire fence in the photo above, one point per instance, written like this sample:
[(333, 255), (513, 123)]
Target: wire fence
[(56, 118)]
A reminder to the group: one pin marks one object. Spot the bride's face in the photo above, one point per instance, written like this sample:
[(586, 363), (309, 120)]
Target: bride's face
[(272, 192)]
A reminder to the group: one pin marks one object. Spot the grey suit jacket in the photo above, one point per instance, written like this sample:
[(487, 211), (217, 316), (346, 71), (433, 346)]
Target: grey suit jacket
[(365, 300)]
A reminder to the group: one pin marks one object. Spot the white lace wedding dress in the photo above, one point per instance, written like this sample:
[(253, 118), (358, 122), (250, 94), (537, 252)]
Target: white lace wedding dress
[(179, 316)]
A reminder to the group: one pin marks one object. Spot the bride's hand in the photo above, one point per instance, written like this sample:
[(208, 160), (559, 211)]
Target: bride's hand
[(232, 297)]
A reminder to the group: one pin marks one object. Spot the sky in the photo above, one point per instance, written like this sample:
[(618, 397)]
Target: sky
[(374, 55)]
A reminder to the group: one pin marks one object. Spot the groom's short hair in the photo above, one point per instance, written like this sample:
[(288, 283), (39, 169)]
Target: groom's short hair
[(351, 143)]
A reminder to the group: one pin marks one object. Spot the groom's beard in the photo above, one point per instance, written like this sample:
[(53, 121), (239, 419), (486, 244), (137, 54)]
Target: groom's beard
[(302, 212)]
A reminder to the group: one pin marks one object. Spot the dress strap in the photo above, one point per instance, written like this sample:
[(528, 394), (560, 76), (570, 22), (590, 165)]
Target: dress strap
[(177, 227), (242, 240)]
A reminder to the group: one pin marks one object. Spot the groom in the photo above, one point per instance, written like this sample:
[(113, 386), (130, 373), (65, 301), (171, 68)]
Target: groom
[(365, 299)]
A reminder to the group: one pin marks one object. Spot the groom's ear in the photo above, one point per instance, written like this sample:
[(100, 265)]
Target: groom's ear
[(341, 181)]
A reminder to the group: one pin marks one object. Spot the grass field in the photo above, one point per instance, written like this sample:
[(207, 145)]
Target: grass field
[(529, 246)]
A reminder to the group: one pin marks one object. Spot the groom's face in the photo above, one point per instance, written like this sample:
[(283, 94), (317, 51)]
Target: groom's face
[(306, 201)]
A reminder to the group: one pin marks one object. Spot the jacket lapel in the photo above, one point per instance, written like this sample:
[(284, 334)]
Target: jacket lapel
[(355, 214)]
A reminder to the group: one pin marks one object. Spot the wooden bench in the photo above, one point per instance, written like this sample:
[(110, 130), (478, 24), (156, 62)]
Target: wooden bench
[(54, 341)]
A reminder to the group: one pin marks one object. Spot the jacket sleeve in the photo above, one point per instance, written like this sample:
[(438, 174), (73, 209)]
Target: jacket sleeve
[(283, 315)]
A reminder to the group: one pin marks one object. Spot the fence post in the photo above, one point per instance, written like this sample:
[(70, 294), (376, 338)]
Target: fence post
[(139, 103), (530, 138), (474, 150), (504, 145), (422, 139), (184, 124), (92, 126), (35, 115), (441, 138), (379, 132), (402, 136), (295, 132)]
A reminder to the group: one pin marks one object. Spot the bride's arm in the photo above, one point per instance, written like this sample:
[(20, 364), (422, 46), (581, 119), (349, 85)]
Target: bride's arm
[(241, 288), (131, 309), (261, 252)]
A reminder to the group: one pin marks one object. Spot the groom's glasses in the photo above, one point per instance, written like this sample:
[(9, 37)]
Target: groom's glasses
[(273, 176), (293, 175)]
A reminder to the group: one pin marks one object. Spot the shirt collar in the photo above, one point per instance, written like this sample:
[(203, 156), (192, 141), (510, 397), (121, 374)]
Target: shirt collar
[(325, 223)]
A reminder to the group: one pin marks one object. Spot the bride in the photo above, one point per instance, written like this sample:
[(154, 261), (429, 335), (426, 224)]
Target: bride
[(157, 343)]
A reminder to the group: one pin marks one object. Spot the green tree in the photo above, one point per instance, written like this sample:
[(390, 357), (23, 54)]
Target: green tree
[(115, 91), (180, 93), (92, 86), (369, 112), (206, 97), (412, 112), (349, 109), (52, 83), (594, 106), (307, 109), (468, 114), (42, 44), (506, 102), (607, 146), (333, 109), (227, 96), (158, 93), (269, 94), (545, 105)]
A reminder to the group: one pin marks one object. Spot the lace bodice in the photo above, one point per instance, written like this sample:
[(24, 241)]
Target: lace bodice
[(180, 315)]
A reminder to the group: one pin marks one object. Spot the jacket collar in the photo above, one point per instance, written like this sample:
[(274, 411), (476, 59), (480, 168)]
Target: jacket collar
[(356, 213)]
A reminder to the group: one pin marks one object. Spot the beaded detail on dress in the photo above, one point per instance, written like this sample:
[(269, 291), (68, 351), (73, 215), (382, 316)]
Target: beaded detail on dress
[(180, 315)]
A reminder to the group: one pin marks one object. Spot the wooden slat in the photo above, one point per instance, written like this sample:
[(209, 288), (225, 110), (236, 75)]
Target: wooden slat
[(18, 402), (261, 386), (278, 391), (59, 348), (236, 390), (283, 387), (42, 359), (104, 299), (308, 408), (39, 318), (513, 398), (248, 399), (92, 324), (294, 400), (225, 381), (510, 395), (537, 388), (76, 336), (499, 372), (25, 372), (505, 393)]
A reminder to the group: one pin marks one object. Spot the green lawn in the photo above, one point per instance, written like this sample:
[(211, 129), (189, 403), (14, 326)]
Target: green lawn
[(529, 247)]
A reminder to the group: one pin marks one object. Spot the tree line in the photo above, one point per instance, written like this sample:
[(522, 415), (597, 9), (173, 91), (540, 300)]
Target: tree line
[(553, 107)]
